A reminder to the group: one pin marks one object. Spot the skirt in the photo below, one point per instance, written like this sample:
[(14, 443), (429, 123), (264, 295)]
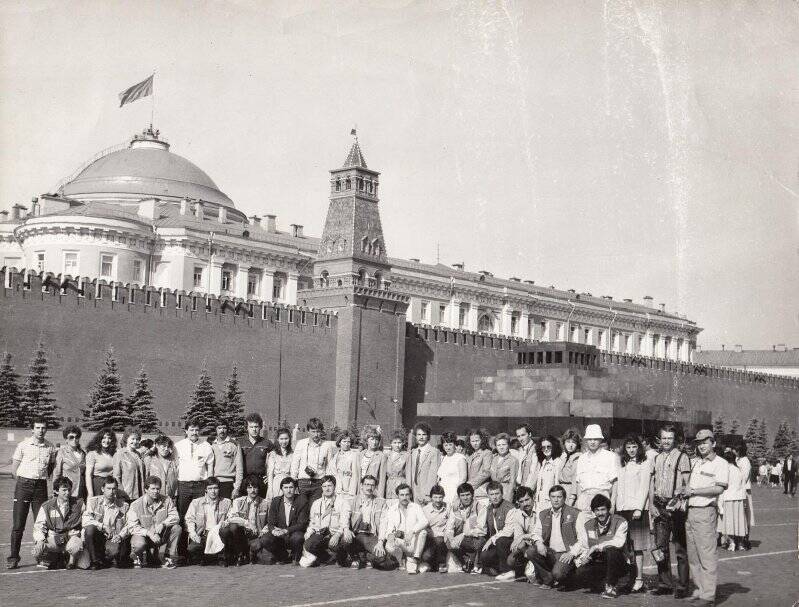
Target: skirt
[(734, 521), (637, 530)]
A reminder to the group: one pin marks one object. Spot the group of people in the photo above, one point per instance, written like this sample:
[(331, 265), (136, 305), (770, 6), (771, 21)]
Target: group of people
[(557, 511), (780, 472)]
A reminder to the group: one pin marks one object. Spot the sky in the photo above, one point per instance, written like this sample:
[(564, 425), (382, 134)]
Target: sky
[(623, 148)]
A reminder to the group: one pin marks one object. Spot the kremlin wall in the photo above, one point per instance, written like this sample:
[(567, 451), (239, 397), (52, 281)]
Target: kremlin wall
[(141, 252)]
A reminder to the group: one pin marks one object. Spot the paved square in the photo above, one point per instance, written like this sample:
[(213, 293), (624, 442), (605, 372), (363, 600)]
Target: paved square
[(767, 575)]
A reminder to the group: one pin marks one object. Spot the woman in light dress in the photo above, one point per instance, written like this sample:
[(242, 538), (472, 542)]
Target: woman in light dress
[(632, 501), (129, 466), (374, 460), (453, 469), (345, 466), (479, 461), (571, 453), (100, 460), (549, 465), (733, 522), (278, 463), (504, 466), (70, 461), (396, 462)]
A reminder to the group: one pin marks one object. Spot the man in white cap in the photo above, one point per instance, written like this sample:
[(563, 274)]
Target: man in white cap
[(596, 472), (709, 477)]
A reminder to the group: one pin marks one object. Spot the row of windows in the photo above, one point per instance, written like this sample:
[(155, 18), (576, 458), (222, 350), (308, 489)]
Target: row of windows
[(108, 263), (361, 184), (253, 281)]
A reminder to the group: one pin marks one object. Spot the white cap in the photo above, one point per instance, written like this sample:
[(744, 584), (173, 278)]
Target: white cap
[(593, 431)]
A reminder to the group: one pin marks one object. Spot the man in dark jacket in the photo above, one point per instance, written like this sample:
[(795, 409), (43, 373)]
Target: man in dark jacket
[(554, 536), (255, 449), (286, 522), (494, 555)]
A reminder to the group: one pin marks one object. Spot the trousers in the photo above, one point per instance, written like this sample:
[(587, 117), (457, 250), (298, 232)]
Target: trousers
[(29, 494), (703, 561), (610, 565), (97, 544), (548, 567), (496, 555), (672, 528)]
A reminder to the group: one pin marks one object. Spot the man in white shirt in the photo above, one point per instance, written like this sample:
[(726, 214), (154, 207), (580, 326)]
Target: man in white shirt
[(526, 454), (328, 517), (310, 459), (195, 461), (596, 472), (403, 532), (204, 519), (709, 478), (105, 534), (32, 463), (361, 535)]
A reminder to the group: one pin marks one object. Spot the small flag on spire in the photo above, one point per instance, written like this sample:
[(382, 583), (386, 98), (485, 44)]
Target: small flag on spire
[(137, 91), (353, 133)]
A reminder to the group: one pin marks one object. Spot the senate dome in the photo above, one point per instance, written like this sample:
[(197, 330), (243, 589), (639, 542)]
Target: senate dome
[(144, 169)]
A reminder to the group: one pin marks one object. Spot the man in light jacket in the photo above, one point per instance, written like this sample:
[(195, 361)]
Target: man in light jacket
[(204, 519), (152, 522), (105, 534), (403, 532), (421, 473)]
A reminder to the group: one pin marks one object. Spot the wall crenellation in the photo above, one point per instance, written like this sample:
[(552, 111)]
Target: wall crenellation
[(132, 297)]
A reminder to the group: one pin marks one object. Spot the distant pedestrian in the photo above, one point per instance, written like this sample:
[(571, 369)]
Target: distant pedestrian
[(789, 475)]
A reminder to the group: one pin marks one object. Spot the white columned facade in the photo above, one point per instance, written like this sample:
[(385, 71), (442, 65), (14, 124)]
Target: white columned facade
[(267, 284), (215, 277), (472, 317), (290, 296), (242, 274)]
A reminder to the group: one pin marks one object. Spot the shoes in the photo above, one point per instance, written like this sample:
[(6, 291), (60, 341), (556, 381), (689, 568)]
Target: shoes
[(680, 594), (610, 593), (731, 547), (43, 565), (638, 586), (443, 569), (167, 564), (356, 564), (411, 566), (476, 570), (71, 565), (96, 566), (424, 568), (12, 563), (137, 562), (661, 590), (545, 587), (506, 577)]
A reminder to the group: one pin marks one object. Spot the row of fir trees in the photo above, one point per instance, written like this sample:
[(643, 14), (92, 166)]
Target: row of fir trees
[(19, 404), (107, 407), (755, 436)]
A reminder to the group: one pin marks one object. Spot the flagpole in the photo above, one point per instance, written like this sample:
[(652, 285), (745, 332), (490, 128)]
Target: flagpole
[(152, 105)]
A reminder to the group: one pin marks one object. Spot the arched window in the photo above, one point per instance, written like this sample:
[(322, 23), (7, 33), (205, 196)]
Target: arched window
[(325, 279), (485, 323), (362, 276), (338, 185), (376, 246), (364, 244), (378, 280), (347, 184)]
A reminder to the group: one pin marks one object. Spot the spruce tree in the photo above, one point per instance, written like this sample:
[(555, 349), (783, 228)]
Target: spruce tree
[(231, 406), (37, 399), (735, 425), (762, 439), (10, 395), (782, 440), (202, 404), (140, 404), (750, 438), (106, 404), (718, 426)]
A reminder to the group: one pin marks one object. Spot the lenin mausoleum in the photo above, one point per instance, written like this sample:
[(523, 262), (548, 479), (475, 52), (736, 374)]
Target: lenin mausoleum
[(140, 251)]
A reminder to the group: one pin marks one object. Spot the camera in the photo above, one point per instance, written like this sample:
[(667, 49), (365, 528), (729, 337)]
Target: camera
[(400, 535), (310, 471), (364, 527)]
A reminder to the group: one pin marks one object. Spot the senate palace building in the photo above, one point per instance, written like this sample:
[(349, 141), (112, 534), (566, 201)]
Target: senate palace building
[(141, 214)]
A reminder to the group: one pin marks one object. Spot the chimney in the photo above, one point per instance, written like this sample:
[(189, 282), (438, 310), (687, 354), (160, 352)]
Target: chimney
[(271, 223), (529, 282), (35, 209), (627, 300), (414, 259), (647, 301), (255, 220), (722, 347), (782, 348), (198, 210), (296, 230), (608, 297), (485, 272), (17, 212), (459, 266), (222, 217), (514, 279), (3, 215), (184, 206), (662, 308), (738, 348)]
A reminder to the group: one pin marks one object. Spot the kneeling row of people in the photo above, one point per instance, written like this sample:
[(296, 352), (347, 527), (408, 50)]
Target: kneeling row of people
[(496, 538)]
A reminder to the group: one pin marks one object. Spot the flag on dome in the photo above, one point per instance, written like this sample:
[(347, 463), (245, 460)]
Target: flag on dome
[(137, 91)]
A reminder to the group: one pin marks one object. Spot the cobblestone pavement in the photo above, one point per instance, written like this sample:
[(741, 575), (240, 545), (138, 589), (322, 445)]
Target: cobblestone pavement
[(767, 575)]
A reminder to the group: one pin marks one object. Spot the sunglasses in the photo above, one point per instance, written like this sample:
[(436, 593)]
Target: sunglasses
[(546, 446), (72, 437)]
